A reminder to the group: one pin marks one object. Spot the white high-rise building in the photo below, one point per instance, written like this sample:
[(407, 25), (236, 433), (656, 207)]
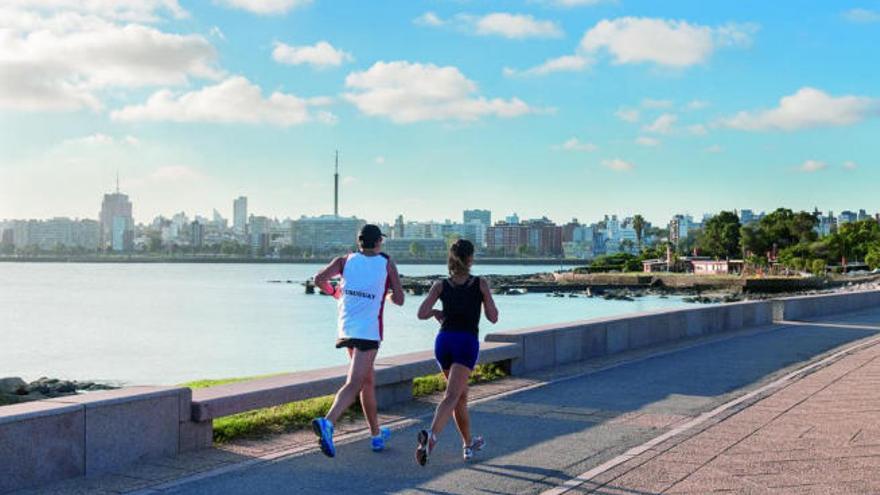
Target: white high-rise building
[(240, 215)]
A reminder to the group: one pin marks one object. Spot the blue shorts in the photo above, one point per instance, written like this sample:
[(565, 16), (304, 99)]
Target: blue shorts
[(456, 347)]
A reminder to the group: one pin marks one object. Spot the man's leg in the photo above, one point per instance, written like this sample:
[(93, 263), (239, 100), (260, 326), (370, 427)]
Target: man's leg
[(368, 402), (360, 369)]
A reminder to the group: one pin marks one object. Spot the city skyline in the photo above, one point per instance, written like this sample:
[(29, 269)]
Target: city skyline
[(526, 107)]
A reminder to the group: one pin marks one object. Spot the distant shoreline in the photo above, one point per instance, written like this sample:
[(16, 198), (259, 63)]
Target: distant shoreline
[(282, 261)]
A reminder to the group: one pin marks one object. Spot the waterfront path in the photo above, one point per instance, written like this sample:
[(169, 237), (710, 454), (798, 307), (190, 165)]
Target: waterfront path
[(788, 409)]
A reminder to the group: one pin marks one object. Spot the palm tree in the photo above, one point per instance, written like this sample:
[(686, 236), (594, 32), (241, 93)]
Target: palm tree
[(639, 227)]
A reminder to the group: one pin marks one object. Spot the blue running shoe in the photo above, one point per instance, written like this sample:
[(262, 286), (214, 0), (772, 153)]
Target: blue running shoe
[(324, 430), (378, 442)]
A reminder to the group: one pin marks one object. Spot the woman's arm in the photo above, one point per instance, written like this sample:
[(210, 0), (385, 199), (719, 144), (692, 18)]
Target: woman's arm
[(396, 286), (488, 302), (426, 310), (322, 279)]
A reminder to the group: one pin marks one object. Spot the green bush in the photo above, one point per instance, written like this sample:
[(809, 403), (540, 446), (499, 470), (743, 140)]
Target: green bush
[(818, 267)]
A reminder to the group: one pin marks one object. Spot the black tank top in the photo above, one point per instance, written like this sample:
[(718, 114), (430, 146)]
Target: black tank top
[(461, 306)]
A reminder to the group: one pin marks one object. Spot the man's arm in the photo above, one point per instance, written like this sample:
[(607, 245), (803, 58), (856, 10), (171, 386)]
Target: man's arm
[(397, 295), (322, 279)]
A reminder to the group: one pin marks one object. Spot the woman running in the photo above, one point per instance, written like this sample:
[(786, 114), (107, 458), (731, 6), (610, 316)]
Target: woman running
[(457, 345)]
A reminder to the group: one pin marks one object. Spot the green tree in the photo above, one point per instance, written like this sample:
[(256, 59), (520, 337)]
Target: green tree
[(721, 236), (818, 267), (639, 227), (626, 245), (873, 256), (523, 250), (416, 249)]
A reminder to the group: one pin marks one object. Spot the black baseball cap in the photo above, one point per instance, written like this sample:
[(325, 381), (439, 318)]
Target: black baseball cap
[(370, 233)]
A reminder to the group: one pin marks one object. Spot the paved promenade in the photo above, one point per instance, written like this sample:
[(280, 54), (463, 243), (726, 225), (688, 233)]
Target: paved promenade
[(778, 410)]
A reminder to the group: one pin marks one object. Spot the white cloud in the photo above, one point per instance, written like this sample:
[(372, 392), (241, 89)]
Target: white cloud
[(429, 19), (63, 61), (807, 108), (861, 16), (696, 105), (630, 115), (574, 144), (322, 54), (850, 165), (655, 104), (565, 63), (265, 7), (516, 26), (663, 42), (811, 166), (235, 100), (380, 160), (101, 139), (123, 10), (647, 141), (663, 124), (504, 24), (408, 92), (618, 165), (713, 149), (698, 130), (217, 33)]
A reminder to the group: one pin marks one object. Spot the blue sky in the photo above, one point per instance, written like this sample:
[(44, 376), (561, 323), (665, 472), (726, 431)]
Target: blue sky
[(569, 108)]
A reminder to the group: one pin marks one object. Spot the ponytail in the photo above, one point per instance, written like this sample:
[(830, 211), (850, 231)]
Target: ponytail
[(461, 254)]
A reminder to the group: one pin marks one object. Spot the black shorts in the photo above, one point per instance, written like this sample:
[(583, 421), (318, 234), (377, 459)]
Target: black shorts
[(359, 344)]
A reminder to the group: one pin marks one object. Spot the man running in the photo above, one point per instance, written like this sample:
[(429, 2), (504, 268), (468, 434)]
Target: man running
[(366, 277)]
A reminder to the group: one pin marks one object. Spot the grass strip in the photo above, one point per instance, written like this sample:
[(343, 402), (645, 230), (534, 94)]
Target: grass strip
[(298, 415)]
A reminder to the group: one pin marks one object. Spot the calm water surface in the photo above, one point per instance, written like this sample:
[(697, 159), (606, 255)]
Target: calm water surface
[(169, 323)]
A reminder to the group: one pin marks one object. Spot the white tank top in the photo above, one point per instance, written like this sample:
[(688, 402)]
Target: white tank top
[(364, 284)]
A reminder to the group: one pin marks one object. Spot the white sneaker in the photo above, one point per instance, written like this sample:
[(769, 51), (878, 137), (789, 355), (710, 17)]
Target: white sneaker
[(476, 445)]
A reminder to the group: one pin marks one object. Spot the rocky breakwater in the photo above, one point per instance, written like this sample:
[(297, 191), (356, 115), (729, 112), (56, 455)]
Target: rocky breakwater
[(14, 389)]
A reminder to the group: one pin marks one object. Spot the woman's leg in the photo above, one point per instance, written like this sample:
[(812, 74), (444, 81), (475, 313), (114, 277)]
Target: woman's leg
[(360, 369), (456, 386), (461, 416)]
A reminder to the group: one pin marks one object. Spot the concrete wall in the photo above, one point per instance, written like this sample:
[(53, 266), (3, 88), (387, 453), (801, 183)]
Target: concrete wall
[(799, 308), (89, 434), (553, 345)]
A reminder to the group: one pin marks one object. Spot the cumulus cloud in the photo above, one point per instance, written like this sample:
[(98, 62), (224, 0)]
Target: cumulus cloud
[(663, 42), (807, 108), (861, 16), (406, 92), (663, 124), (429, 19), (618, 165), (696, 105), (265, 7), (234, 100), (380, 160), (578, 3), (647, 141), (320, 55), (668, 43), (100, 139), (630, 115), (850, 165), (575, 144), (516, 26), (503, 24), (63, 61), (565, 63), (698, 130), (123, 10), (811, 166)]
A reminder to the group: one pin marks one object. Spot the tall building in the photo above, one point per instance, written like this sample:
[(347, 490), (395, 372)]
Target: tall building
[(117, 224), (240, 215), (482, 216), (326, 233), (539, 237), (399, 228), (197, 234)]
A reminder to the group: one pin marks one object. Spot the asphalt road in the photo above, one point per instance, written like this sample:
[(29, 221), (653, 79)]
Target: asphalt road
[(539, 438)]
